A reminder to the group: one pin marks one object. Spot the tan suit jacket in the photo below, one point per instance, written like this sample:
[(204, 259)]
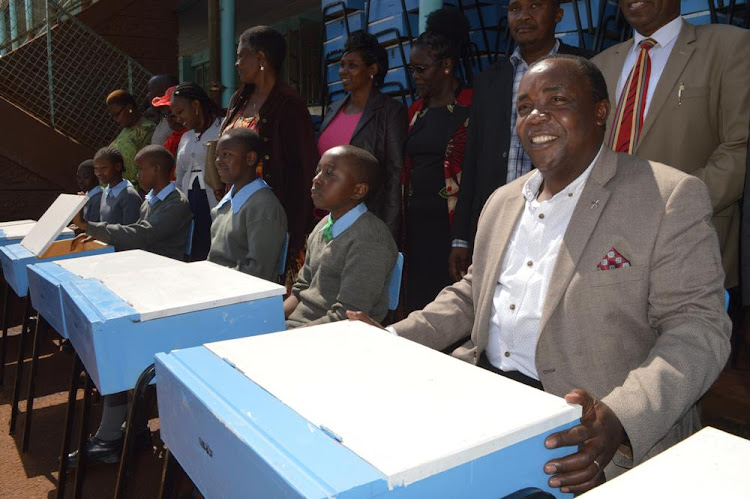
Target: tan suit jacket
[(703, 129), (648, 339)]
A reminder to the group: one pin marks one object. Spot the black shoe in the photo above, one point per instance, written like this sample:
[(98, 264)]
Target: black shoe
[(98, 451)]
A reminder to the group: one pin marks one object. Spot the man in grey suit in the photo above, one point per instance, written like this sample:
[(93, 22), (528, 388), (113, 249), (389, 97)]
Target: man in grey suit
[(597, 276)]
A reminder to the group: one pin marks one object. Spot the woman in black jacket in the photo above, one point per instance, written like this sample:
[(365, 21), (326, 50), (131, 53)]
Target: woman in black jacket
[(368, 119)]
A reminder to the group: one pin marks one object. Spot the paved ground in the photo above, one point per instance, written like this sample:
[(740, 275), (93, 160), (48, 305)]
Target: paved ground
[(33, 474)]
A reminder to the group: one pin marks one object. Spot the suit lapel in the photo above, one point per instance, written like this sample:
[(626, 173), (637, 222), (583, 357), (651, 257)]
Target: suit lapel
[(678, 59), (582, 223), (498, 245), (612, 72)]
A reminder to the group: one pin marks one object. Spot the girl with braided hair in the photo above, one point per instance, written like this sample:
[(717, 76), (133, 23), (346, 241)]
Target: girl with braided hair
[(431, 177), (200, 116)]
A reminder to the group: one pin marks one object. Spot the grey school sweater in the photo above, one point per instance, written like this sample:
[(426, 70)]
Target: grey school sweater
[(349, 273), (251, 239), (91, 210), (162, 228), (121, 209)]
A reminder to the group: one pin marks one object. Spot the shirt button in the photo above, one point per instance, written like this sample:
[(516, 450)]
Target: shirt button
[(541, 215), (264, 120), (512, 306), (268, 177), (529, 263), (265, 139), (507, 354), (266, 157), (505, 155), (570, 194)]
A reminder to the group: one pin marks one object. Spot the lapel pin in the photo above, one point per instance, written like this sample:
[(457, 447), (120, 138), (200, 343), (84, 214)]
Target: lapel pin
[(594, 204), (679, 94)]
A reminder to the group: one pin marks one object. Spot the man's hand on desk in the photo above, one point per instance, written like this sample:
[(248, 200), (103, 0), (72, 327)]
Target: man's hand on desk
[(361, 316), (597, 437)]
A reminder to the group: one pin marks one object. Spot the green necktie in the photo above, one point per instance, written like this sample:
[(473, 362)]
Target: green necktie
[(328, 230)]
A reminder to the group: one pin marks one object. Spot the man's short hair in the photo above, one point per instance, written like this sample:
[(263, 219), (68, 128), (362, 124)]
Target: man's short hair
[(249, 139), (587, 69), (111, 154), (158, 155), (366, 166)]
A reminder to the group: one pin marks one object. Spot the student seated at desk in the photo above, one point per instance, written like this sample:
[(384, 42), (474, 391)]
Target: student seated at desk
[(248, 224), (351, 252), (88, 184), (120, 202), (162, 227)]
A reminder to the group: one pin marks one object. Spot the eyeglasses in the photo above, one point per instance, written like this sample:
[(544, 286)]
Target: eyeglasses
[(421, 68)]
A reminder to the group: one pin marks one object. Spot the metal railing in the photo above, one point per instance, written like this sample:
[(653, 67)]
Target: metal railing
[(58, 69)]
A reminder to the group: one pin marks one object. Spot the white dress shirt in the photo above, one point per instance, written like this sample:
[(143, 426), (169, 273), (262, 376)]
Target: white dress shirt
[(191, 159), (665, 38), (525, 274)]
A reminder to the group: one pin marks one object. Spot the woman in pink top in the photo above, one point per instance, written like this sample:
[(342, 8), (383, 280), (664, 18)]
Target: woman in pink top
[(368, 119)]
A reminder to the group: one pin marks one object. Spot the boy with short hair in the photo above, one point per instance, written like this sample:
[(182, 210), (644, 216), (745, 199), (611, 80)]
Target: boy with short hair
[(248, 224), (88, 184), (161, 229), (351, 252), (165, 215), (120, 202)]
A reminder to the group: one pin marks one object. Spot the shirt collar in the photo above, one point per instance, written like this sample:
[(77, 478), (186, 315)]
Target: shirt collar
[(347, 219), (663, 35), (116, 190), (516, 58), (161, 195), (93, 192), (532, 185), (238, 199)]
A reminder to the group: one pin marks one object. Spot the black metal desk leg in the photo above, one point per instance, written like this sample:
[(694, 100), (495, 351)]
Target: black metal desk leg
[(6, 299), (168, 476), (19, 365), (75, 379), (82, 437), (127, 446), (41, 324)]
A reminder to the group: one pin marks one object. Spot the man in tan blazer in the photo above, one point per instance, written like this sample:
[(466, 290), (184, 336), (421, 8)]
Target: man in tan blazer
[(614, 301), (697, 108)]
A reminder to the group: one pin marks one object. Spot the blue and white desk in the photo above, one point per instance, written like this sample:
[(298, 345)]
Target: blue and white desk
[(15, 231), (117, 321), (708, 464), (348, 410), (39, 244)]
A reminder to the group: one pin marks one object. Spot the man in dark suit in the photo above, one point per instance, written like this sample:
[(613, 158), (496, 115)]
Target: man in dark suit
[(494, 155)]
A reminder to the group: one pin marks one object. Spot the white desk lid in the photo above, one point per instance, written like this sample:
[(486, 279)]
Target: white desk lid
[(158, 289), (16, 222), (409, 411), (710, 463), (53, 222), (133, 263), (21, 230)]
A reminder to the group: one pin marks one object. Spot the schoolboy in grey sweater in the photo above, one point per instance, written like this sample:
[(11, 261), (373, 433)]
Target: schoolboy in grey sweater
[(351, 253), (249, 224), (164, 218)]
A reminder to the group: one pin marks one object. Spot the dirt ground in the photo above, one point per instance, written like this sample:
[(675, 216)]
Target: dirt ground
[(33, 474)]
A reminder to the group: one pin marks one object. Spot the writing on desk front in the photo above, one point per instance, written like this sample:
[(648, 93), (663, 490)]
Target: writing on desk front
[(205, 447)]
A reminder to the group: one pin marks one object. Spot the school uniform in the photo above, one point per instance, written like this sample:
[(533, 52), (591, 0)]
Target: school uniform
[(120, 204), (248, 230), (91, 210), (162, 227), (349, 272), (189, 171)]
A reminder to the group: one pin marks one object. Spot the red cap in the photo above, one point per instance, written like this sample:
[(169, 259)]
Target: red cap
[(164, 100)]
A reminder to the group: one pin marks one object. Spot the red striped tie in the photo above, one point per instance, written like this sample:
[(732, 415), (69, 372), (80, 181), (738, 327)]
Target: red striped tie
[(629, 115)]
